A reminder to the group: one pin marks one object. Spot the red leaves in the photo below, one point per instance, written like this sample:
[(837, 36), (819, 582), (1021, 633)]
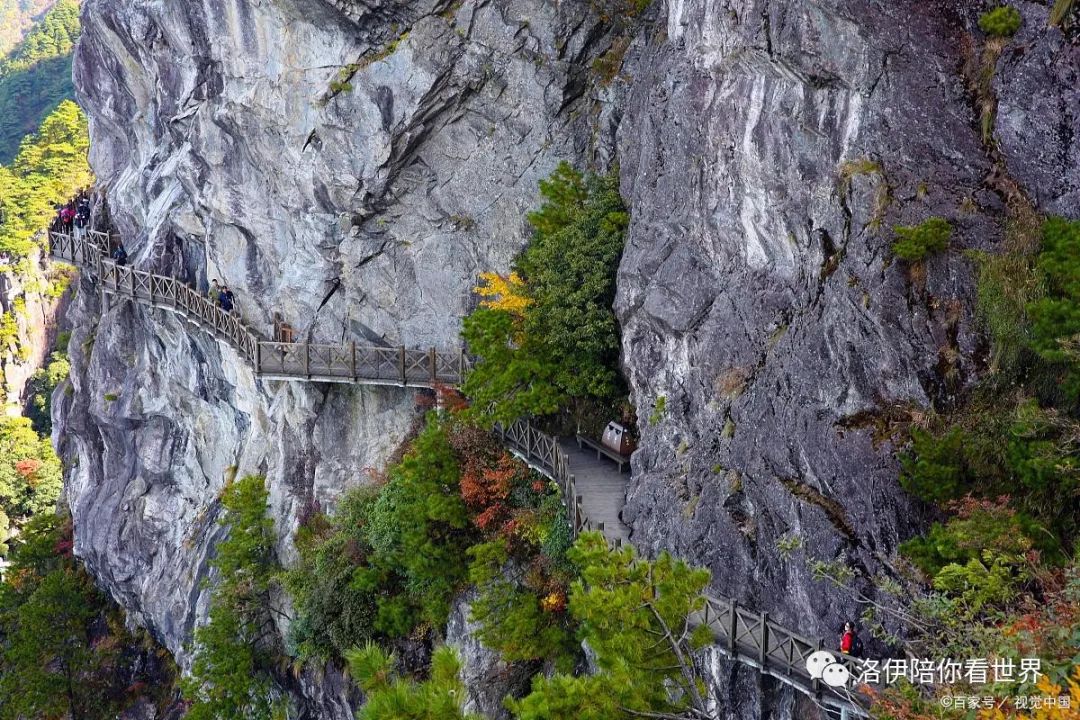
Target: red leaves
[(484, 486)]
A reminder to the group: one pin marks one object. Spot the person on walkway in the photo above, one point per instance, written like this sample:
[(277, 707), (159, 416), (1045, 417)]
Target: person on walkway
[(67, 217), (120, 255), (850, 643), (225, 299), (215, 291)]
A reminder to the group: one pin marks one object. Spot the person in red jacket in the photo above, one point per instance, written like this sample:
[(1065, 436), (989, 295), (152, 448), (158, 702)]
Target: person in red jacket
[(850, 644)]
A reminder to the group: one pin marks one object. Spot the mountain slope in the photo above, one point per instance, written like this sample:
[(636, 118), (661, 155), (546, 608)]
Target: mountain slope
[(36, 76)]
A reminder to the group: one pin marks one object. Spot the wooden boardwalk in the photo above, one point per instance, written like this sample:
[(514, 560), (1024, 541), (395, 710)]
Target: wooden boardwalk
[(602, 488), (311, 362), (594, 492), (593, 489)]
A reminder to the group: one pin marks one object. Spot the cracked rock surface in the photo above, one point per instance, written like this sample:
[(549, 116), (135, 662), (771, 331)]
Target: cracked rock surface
[(767, 150), (775, 348), (394, 147)]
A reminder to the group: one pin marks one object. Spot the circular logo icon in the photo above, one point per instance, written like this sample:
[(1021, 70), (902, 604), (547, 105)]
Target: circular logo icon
[(835, 675), (817, 662)]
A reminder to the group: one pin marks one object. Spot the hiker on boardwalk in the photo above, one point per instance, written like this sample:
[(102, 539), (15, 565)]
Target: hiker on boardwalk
[(120, 255), (67, 218), (215, 291), (82, 214), (850, 643), (225, 299)]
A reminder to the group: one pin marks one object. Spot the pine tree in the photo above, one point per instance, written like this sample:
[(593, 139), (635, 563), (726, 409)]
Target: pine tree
[(636, 616), (392, 697)]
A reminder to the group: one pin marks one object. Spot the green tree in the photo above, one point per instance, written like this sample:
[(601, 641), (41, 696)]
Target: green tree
[(418, 531), (30, 473), (50, 167), (564, 345), (333, 614), (36, 76), (635, 615), (390, 696), (236, 648), (40, 390), (512, 617), (63, 648)]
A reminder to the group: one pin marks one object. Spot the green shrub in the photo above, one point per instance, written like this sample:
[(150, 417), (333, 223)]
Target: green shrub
[(332, 614), (1002, 21), (979, 525), (564, 346), (917, 242), (1056, 316), (235, 650), (1024, 451), (659, 410)]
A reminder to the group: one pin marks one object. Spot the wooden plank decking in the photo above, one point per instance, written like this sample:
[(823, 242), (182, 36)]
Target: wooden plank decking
[(601, 486)]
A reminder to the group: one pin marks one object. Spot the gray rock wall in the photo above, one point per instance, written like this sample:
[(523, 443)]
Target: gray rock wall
[(767, 150), (390, 149)]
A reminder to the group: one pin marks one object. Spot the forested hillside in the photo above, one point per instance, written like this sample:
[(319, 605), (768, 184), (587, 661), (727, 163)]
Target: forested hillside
[(35, 76), (16, 16)]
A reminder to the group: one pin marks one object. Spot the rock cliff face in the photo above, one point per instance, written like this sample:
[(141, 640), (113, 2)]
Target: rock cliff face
[(352, 166), (24, 297), (767, 150)]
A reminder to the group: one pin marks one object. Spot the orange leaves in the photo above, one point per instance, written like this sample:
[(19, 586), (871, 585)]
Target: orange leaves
[(27, 468), (482, 486), (553, 602), (486, 489)]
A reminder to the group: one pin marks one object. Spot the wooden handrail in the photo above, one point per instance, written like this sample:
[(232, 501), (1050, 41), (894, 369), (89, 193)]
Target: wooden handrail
[(349, 363), (749, 637)]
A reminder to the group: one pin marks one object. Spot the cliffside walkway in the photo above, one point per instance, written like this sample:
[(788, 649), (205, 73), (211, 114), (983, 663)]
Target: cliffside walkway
[(595, 492), (312, 362), (593, 489)]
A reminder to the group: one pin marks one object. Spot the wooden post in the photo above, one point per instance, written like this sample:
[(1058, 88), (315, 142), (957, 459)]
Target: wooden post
[(764, 654), (461, 366), (353, 366), (733, 625), (258, 356), (307, 359), (131, 274), (434, 366), (150, 285), (401, 350), (815, 683)]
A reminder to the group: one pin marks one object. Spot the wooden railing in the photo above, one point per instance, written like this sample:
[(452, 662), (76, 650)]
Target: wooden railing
[(749, 637), (349, 363), (543, 453)]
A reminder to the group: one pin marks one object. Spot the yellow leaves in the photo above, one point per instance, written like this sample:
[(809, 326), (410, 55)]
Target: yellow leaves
[(1046, 689), (503, 293), (553, 602)]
